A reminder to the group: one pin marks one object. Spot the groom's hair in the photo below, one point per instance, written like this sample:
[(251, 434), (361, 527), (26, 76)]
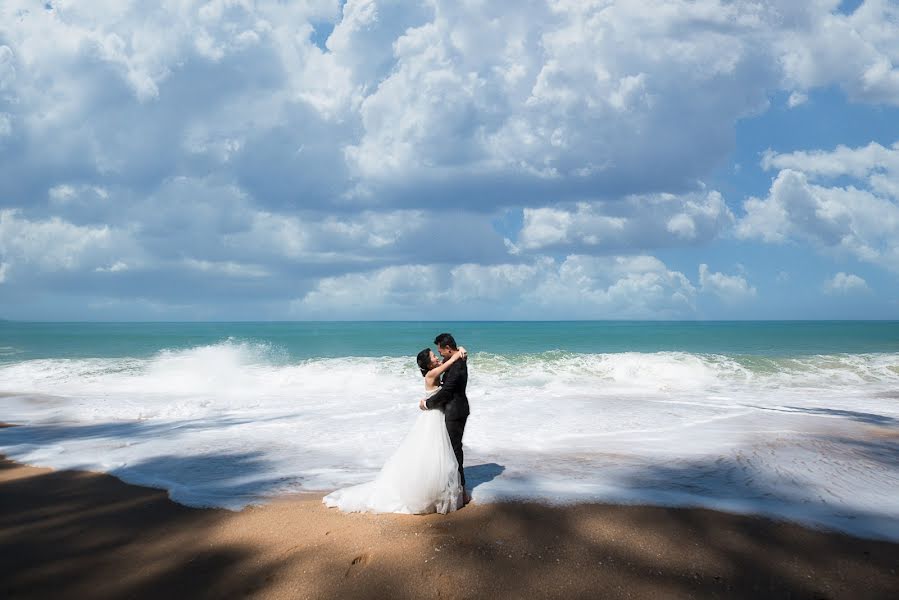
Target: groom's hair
[(446, 340), (424, 361)]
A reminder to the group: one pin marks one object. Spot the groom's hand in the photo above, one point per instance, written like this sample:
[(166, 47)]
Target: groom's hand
[(422, 405)]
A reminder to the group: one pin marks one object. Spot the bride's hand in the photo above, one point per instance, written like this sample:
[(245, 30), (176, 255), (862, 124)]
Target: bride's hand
[(463, 353)]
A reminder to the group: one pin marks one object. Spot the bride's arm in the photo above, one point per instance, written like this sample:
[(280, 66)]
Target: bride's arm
[(436, 371)]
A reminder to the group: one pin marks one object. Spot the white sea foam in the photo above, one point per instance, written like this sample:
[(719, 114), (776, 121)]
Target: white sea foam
[(812, 439)]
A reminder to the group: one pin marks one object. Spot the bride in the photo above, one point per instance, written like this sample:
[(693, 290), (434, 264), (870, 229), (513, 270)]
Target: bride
[(422, 475)]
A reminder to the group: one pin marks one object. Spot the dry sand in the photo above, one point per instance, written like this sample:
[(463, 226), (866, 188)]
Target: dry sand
[(73, 534)]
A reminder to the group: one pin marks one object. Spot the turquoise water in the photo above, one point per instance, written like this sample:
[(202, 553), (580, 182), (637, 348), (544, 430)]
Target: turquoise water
[(301, 340)]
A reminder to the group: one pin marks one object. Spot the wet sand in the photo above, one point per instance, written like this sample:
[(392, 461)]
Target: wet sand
[(75, 534)]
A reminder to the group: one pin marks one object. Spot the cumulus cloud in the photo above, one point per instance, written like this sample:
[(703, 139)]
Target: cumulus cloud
[(312, 141), (54, 244), (729, 288), (576, 287), (856, 51), (312, 237), (845, 283), (365, 238), (866, 163), (404, 287), (406, 95), (636, 222), (219, 239), (137, 93), (621, 286), (550, 92), (206, 239), (860, 220)]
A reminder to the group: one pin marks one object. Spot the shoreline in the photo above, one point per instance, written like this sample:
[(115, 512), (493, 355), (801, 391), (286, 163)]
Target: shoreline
[(86, 534)]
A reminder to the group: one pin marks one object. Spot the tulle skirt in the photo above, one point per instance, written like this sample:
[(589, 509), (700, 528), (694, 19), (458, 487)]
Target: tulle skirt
[(422, 476)]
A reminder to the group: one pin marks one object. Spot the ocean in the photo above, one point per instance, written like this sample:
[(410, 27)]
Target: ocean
[(793, 420)]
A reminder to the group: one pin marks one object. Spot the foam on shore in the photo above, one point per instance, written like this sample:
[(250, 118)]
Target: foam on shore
[(815, 438)]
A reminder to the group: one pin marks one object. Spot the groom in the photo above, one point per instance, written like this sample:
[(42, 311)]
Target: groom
[(451, 399)]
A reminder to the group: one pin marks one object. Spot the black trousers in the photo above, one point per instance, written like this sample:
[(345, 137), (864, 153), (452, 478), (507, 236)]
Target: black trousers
[(456, 428)]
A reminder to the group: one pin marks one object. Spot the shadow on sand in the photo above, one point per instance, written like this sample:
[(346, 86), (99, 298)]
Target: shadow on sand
[(72, 534)]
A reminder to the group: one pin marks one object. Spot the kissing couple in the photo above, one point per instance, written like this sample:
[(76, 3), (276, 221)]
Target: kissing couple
[(424, 474)]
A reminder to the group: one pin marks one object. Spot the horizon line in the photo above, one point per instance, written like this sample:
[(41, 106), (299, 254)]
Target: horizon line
[(198, 321)]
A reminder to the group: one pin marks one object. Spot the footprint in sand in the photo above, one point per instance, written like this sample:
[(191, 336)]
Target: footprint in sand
[(357, 563)]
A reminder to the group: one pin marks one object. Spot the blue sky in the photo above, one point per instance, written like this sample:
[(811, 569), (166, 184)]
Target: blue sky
[(376, 159)]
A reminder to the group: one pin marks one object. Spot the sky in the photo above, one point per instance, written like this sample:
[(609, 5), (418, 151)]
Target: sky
[(449, 160)]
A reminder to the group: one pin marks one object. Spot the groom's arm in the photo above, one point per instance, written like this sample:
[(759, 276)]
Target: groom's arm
[(451, 382)]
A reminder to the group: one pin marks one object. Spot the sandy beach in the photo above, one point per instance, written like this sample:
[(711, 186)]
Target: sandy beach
[(75, 534)]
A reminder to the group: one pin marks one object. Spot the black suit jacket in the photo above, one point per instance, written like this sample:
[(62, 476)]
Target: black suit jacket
[(451, 398)]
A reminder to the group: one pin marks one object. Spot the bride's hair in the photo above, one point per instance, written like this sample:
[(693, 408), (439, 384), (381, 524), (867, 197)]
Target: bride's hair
[(424, 361)]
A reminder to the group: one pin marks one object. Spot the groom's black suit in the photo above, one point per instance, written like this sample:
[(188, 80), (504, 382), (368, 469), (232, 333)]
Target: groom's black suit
[(451, 399)]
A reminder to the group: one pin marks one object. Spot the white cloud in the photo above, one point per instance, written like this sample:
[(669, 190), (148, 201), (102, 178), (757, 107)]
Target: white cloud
[(860, 220), (577, 287), (863, 163), (204, 225), (617, 286), (407, 286), (567, 90), (857, 52), (548, 227), (797, 99), (636, 222), (228, 268), (729, 288), (560, 90), (3, 269), (53, 244), (84, 197), (491, 282), (366, 237), (116, 267), (845, 283)]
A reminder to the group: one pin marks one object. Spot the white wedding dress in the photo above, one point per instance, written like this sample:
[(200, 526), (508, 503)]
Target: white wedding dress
[(421, 476)]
